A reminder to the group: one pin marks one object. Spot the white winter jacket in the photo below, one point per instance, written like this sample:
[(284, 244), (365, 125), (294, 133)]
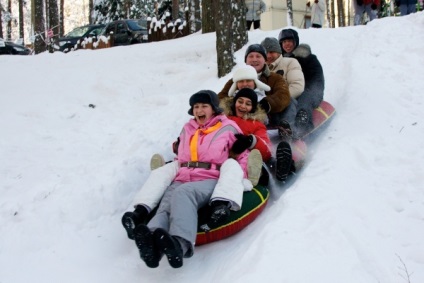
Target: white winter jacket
[(292, 73)]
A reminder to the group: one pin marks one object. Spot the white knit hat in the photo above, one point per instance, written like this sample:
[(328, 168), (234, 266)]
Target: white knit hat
[(247, 73)]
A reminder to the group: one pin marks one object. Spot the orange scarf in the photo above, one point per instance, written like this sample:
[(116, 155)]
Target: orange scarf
[(194, 140)]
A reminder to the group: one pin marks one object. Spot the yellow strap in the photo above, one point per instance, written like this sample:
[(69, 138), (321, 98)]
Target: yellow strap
[(319, 109), (194, 140), (259, 194)]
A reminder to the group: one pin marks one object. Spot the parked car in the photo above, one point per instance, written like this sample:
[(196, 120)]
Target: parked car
[(11, 48), (127, 31), (68, 42)]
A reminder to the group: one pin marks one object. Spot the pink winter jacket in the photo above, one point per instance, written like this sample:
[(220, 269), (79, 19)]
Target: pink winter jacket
[(213, 148)]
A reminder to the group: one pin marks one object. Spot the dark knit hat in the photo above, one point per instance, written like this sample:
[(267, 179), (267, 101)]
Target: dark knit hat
[(289, 34), (255, 48), (248, 93), (271, 44), (205, 96)]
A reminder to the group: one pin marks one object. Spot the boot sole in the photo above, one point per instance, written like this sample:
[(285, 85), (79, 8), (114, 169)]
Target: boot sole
[(169, 247), (129, 225), (144, 241), (254, 166), (284, 161)]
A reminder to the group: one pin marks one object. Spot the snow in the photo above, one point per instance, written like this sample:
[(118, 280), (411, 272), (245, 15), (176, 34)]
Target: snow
[(69, 171)]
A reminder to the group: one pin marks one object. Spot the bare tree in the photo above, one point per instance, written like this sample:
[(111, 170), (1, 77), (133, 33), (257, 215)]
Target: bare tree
[(175, 9), (208, 16), (21, 20), (290, 12), (240, 34), (61, 18), (1, 21), (341, 13), (9, 22), (195, 16), (37, 17), (90, 11), (224, 37), (53, 16)]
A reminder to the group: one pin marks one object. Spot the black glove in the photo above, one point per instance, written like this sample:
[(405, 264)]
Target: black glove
[(242, 143), (265, 105), (281, 72), (373, 6), (359, 2), (175, 145)]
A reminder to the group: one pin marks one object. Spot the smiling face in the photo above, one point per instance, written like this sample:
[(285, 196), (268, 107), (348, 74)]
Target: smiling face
[(202, 112), (243, 106), (288, 45), (246, 84), (256, 60), (271, 56)]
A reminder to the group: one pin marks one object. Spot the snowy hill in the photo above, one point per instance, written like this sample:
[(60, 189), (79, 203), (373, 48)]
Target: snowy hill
[(69, 171)]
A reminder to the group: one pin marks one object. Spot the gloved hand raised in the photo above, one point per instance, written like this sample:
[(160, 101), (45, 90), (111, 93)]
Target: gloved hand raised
[(242, 143), (265, 105)]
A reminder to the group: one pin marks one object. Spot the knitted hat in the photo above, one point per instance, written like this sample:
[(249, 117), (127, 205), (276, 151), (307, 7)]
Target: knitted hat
[(248, 93), (246, 73), (255, 48), (271, 44), (289, 34), (205, 96)]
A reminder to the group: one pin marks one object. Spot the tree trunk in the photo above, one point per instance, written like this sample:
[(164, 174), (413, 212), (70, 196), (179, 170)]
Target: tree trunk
[(21, 21), (240, 35), (208, 16), (61, 18), (195, 16), (341, 13), (38, 24), (54, 16), (290, 13), (175, 9), (332, 15), (224, 37), (9, 22), (1, 22), (90, 11)]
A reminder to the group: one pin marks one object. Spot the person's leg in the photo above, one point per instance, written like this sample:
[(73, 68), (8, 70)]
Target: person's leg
[(316, 26), (412, 8), (256, 24), (372, 14), (248, 25), (359, 10), (403, 9)]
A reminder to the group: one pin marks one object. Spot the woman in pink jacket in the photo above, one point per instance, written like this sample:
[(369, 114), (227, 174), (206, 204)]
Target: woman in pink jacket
[(205, 143)]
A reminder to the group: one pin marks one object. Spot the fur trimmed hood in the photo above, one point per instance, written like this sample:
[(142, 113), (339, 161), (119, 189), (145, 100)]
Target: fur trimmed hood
[(258, 115), (302, 51)]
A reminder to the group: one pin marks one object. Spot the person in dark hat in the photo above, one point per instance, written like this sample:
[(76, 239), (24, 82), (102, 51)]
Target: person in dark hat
[(205, 143), (313, 93)]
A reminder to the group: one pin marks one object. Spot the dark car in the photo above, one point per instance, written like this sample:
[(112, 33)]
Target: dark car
[(10, 48), (68, 42), (127, 32)]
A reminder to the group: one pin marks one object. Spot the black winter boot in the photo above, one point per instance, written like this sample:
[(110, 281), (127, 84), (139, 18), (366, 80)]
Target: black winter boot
[(149, 253), (170, 246), (284, 161), (220, 211), (130, 220), (303, 123)]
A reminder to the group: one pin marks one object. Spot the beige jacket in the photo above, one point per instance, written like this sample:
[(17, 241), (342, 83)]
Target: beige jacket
[(292, 73)]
